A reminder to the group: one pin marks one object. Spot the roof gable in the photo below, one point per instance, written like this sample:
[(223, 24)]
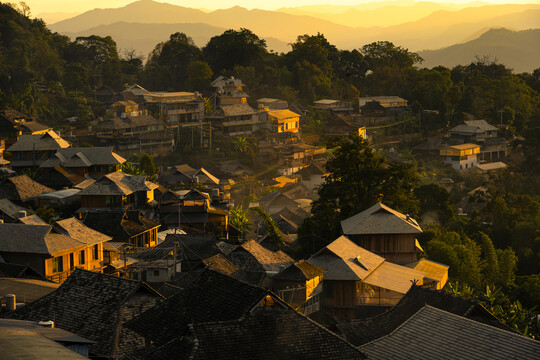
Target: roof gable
[(380, 219), (77, 230), (34, 239)]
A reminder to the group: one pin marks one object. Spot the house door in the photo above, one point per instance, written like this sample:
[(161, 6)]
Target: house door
[(71, 262)]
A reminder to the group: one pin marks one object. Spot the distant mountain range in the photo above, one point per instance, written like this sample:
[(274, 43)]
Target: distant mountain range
[(143, 24), (519, 50)]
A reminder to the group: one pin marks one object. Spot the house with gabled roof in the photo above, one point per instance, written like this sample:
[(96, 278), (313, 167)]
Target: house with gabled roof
[(385, 232), (300, 285), (444, 331), (58, 178), (211, 297), (473, 131), (85, 161), (356, 277), (280, 121), (254, 257), (276, 202), (9, 212), (30, 151), (20, 189), (51, 253), (118, 190), (235, 120), (362, 331), (95, 306), (123, 226), (271, 333)]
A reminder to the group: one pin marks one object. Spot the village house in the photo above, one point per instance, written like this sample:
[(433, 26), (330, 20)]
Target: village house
[(472, 131), (235, 120), (280, 121), (228, 91), (194, 210), (333, 107), (177, 108), (135, 133), (14, 123), (364, 330), (211, 297), (9, 212), (59, 178), (312, 176), (476, 341), (357, 280), (134, 92), (85, 161), (118, 190), (385, 232), (185, 177), (276, 202), (300, 285), (291, 335), (493, 150), (384, 101), (22, 189), (461, 157), (129, 227), (95, 306), (490, 169), (52, 254), (191, 249), (30, 151), (341, 125)]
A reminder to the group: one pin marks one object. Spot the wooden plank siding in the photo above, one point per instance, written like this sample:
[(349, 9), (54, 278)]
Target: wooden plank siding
[(396, 248)]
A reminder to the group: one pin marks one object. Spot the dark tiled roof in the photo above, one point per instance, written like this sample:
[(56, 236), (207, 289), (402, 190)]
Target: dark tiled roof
[(10, 209), (34, 239), (118, 224), (192, 247), (432, 333), (77, 230), (268, 333), (169, 290), (362, 331), (94, 306), (300, 271), (220, 264), (58, 177), (69, 157), (212, 297), (22, 188)]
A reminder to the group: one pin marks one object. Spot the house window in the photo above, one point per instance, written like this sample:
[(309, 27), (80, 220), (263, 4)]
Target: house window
[(156, 272), (81, 257), (95, 252), (57, 264)]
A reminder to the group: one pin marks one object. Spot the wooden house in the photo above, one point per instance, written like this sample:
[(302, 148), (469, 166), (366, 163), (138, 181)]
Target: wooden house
[(436, 274), (118, 190), (280, 121), (30, 151), (312, 176), (300, 285), (235, 120), (22, 189), (85, 161), (177, 108), (340, 125), (229, 91), (385, 232), (473, 131), (123, 226), (384, 101), (51, 253), (254, 257), (276, 201), (356, 278)]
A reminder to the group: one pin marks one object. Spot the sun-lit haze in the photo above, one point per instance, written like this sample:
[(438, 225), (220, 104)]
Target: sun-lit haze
[(79, 6)]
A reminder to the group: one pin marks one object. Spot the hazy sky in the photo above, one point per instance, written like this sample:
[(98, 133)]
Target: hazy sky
[(72, 6)]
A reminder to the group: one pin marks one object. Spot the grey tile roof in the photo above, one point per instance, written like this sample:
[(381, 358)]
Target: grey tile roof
[(19, 271), (34, 239), (480, 124), (94, 306), (119, 224), (129, 122), (22, 188), (84, 156), (300, 271), (380, 219), (362, 331), (9, 208), (211, 297), (119, 183), (267, 333), (432, 333), (77, 230), (48, 141)]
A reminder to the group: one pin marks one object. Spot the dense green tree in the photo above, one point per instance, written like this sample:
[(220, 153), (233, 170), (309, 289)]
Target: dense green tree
[(234, 47), (239, 219), (199, 75), (358, 178)]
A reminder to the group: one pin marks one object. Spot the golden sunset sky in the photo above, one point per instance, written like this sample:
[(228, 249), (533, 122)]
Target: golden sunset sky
[(80, 6)]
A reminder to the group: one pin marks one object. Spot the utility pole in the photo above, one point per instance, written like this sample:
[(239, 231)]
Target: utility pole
[(210, 125)]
